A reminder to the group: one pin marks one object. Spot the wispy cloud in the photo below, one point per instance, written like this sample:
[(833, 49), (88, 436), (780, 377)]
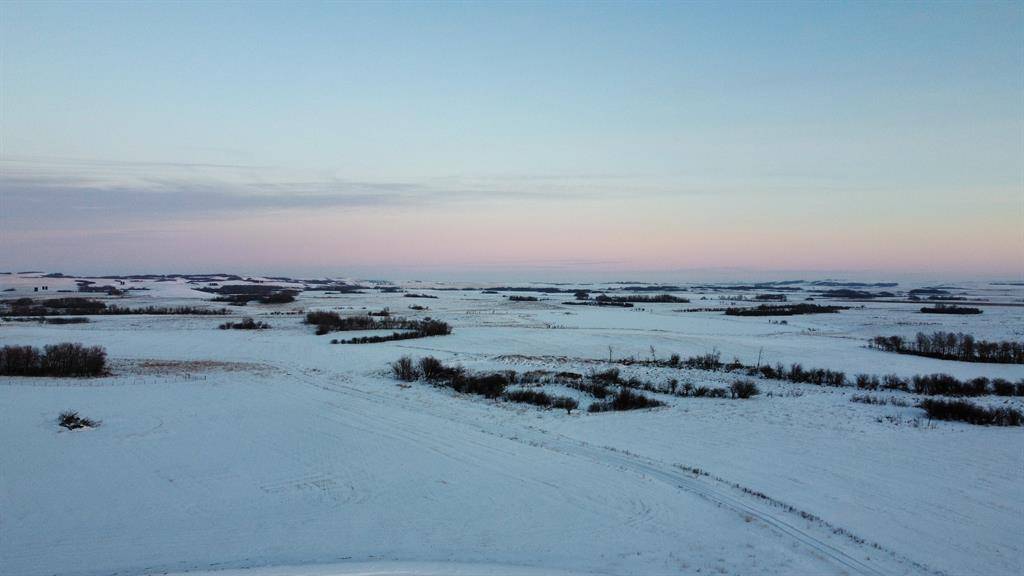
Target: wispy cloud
[(31, 202), (54, 193)]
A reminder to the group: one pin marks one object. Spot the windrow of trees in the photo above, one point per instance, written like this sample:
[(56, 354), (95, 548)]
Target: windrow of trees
[(643, 299), (964, 411), (67, 359), (950, 309), (925, 384), (327, 322), (489, 385), (953, 346), (784, 310), (282, 297), (89, 307)]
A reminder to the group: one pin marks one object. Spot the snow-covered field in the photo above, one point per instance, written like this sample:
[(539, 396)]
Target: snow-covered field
[(276, 453)]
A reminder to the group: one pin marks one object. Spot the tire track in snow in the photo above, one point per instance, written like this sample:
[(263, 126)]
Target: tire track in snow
[(656, 470)]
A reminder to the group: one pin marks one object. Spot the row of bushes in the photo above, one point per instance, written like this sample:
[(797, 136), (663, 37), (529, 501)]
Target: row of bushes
[(53, 306), (88, 307), (599, 303), (784, 310), (282, 297), (798, 374), (492, 385), (953, 346), (878, 400), (613, 391), (951, 309), (48, 319), (416, 329), (419, 329), (624, 399), (926, 384), (67, 359), (245, 324), (941, 385), (599, 382), (965, 411), (166, 310), (641, 299), (543, 399), (326, 322)]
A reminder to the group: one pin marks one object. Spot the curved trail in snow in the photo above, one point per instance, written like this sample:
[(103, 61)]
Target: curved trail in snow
[(678, 478)]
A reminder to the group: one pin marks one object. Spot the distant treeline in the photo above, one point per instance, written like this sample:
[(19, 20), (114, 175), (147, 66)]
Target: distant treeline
[(640, 299), (283, 297), (89, 307), (944, 309), (850, 294), (599, 303), (67, 359), (541, 289), (950, 346), (784, 310)]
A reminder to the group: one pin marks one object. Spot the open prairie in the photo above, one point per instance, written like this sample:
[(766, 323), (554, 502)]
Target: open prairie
[(272, 450)]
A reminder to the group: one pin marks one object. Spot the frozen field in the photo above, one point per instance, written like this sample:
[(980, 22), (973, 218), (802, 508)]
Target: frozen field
[(276, 453)]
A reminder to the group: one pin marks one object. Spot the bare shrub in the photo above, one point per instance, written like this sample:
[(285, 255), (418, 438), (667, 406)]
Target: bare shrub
[(404, 369), (72, 421), (743, 389)]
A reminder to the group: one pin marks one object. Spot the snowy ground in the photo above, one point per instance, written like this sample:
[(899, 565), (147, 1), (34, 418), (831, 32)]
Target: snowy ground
[(275, 453)]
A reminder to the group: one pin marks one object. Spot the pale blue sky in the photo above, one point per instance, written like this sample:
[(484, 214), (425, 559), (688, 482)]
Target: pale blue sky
[(877, 118)]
